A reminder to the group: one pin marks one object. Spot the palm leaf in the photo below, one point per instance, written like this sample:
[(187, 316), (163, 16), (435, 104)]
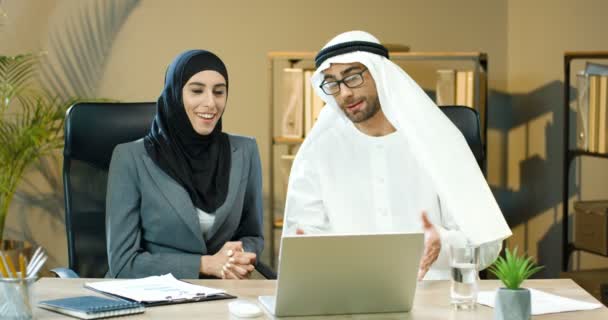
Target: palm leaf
[(16, 74), (79, 49), (73, 67)]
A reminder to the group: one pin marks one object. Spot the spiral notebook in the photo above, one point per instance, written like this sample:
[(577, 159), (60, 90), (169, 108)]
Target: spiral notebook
[(92, 307)]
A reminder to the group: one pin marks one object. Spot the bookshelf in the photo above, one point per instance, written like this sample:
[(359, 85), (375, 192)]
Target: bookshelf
[(283, 148), (570, 154)]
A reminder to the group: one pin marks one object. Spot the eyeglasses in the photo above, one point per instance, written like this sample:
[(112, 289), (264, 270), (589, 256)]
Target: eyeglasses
[(355, 80)]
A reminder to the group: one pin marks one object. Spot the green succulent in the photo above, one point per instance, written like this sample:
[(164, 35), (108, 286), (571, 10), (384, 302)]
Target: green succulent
[(512, 269)]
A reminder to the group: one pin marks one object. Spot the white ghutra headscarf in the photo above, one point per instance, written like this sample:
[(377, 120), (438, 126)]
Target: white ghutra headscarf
[(436, 143)]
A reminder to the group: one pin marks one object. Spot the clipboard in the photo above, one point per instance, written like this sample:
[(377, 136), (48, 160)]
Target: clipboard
[(164, 290)]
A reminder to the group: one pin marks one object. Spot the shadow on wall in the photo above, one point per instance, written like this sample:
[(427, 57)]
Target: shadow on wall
[(79, 43), (40, 200), (531, 197)]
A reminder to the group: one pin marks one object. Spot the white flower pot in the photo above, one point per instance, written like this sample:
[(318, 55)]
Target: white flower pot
[(512, 304)]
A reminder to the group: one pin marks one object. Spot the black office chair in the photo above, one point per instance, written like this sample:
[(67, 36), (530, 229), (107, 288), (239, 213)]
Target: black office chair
[(467, 121), (92, 130)]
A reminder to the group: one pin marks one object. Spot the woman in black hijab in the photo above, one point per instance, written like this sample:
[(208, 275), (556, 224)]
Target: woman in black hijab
[(186, 199)]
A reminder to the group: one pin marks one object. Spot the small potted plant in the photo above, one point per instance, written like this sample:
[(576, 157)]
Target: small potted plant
[(512, 301)]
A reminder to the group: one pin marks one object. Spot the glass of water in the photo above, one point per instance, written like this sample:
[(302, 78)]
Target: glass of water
[(464, 264)]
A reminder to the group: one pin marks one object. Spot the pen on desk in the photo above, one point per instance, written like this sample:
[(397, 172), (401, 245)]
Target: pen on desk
[(36, 257), (37, 265)]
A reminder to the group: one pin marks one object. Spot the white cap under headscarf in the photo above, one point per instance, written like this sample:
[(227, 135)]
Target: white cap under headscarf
[(438, 145)]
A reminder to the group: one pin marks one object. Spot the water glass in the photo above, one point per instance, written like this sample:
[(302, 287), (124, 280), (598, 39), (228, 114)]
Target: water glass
[(16, 298), (464, 266)]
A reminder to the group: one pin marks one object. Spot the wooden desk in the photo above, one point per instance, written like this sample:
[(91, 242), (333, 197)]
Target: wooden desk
[(431, 301)]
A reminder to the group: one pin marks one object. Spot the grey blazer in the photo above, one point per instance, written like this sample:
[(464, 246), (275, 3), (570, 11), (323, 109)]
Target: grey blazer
[(152, 227)]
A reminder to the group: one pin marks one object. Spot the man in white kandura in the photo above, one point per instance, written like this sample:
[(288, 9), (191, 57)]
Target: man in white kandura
[(383, 158)]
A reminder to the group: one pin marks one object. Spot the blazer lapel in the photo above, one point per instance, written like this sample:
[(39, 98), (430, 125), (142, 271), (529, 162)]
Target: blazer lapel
[(177, 197), (236, 169)]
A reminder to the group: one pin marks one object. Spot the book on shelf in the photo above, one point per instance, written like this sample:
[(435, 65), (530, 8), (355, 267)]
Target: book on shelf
[(582, 111), (592, 112), (461, 88), (92, 307), (285, 165), (602, 104), (596, 68), (291, 102), (446, 87), (299, 102), (469, 88), (308, 96), (317, 105), (455, 87), (312, 103), (593, 106)]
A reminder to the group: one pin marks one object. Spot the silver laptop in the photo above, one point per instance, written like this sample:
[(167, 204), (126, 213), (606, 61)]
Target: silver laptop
[(346, 274)]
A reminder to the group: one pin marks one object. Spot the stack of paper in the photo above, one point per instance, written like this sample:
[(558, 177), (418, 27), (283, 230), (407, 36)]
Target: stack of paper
[(542, 302), (154, 289)]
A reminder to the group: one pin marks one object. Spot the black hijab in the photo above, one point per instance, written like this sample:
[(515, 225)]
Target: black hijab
[(200, 164)]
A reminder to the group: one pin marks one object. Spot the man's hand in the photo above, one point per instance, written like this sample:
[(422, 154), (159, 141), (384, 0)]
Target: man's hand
[(432, 246)]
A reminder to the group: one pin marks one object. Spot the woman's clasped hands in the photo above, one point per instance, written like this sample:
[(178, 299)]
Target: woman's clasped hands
[(230, 262)]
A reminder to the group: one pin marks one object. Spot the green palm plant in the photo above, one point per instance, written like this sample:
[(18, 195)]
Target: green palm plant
[(31, 120), (31, 123), (512, 270)]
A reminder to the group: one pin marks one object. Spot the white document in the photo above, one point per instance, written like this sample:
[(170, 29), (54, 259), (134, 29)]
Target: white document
[(153, 289), (542, 302)]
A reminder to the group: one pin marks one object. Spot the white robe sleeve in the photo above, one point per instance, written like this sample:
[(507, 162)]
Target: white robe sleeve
[(450, 234), (304, 207)]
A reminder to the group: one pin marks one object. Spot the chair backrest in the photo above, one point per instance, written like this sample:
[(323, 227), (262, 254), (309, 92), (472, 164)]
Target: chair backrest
[(467, 121), (92, 130)]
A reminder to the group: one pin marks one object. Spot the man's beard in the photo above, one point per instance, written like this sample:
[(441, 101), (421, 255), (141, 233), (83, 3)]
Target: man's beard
[(365, 114)]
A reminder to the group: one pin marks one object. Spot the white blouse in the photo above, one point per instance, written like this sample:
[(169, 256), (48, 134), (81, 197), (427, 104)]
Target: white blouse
[(206, 221)]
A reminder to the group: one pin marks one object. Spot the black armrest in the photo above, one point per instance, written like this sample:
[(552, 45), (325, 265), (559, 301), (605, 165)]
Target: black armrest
[(266, 271), (65, 273)]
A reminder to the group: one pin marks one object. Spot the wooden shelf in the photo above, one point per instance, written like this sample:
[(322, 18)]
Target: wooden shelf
[(574, 248), (579, 152), (441, 55), (570, 153), (473, 55), (278, 223), (586, 54), (287, 140)]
